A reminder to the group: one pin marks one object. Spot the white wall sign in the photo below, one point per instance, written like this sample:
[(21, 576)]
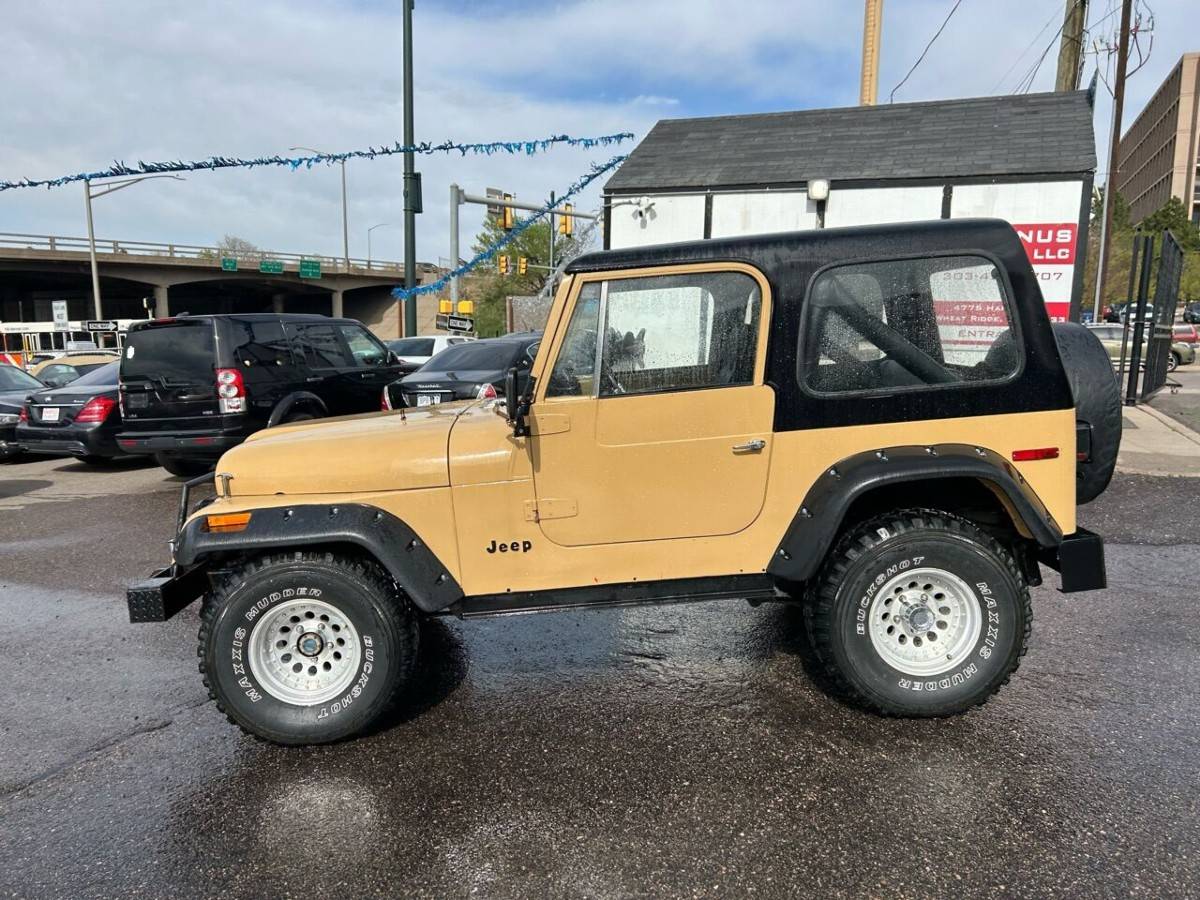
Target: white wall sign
[(61, 322)]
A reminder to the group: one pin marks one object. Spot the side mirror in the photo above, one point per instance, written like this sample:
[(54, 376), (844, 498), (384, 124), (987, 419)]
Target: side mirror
[(516, 407)]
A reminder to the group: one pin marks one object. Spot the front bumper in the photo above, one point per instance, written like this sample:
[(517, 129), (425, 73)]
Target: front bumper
[(1079, 560)]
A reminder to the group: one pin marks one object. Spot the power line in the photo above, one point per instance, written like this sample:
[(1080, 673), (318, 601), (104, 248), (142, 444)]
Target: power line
[(920, 59), (1028, 47)]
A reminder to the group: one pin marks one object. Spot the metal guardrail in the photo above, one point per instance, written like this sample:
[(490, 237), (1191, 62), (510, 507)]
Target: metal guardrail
[(213, 255)]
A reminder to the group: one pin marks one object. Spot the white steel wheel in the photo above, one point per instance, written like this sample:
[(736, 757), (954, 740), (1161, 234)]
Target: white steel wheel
[(304, 652), (924, 621)]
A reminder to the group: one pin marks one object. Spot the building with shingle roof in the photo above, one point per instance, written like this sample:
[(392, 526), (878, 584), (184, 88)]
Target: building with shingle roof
[(1029, 159)]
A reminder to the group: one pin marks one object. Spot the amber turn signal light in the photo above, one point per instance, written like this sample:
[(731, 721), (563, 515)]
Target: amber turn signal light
[(228, 522)]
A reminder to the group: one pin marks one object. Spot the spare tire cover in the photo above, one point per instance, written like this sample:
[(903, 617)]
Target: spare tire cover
[(1097, 402)]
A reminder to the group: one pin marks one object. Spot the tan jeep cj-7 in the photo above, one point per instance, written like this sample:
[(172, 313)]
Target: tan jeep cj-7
[(880, 424)]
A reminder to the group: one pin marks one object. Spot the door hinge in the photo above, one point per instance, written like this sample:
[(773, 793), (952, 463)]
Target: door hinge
[(549, 508)]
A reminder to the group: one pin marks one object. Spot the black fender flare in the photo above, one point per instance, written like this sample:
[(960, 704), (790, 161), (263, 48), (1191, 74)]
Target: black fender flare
[(385, 537), (291, 401), (819, 519)]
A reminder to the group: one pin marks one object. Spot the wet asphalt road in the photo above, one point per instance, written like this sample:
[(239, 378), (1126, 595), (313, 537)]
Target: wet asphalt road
[(681, 751)]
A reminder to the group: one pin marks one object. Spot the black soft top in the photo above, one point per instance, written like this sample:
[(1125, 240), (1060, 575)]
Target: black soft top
[(818, 247)]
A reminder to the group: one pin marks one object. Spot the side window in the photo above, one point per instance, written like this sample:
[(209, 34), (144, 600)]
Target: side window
[(319, 346), (574, 370), (884, 326), (261, 344), (679, 332), (366, 350)]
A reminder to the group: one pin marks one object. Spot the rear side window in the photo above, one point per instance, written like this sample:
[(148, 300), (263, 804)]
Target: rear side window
[(319, 345), (260, 343), (908, 323), (103, 374), (182, 351)]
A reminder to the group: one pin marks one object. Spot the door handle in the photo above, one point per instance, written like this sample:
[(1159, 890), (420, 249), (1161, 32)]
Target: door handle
[(749, 447)]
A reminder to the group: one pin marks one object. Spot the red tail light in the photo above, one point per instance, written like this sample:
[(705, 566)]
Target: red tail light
[(95, 410), (486, 392), (231, 390), (23, 416), (386, 402), (1032, 455)]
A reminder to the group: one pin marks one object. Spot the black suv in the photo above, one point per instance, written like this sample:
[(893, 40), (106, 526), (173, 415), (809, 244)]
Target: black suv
[(194, 386)]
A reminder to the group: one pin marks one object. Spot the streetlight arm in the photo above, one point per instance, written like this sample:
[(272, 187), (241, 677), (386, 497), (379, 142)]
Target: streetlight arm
[(110, 186)]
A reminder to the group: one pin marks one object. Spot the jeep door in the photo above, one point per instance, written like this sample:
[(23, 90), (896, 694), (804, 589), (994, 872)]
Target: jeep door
[(651, 420)]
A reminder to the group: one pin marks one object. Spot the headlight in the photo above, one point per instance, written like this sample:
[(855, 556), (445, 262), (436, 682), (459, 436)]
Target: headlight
[(9, 418)]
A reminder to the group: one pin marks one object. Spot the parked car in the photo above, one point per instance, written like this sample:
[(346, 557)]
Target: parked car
[(1181, 354), (1191, 313), (465, 372), (15, 388), (80, 419), (194, 386), (418, 350), (1186, 334), (62, 370)]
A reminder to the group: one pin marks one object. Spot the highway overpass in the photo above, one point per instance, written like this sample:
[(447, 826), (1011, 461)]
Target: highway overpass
[(36, 269)]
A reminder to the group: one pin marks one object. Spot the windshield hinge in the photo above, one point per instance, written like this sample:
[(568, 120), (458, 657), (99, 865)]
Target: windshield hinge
[(550, 508)]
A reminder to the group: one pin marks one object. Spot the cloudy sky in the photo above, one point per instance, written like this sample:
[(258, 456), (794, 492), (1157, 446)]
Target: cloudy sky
[(86, 83)]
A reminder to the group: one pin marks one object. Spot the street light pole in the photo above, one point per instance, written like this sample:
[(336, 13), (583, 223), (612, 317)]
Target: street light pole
[(345, 214), (412, 183), (107, 187), (87, 193), (369, 230)]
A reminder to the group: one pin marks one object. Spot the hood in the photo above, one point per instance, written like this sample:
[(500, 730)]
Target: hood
[(371, 452)]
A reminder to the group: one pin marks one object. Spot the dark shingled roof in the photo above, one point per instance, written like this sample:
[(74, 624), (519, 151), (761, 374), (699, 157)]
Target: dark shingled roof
[(1030, 134)]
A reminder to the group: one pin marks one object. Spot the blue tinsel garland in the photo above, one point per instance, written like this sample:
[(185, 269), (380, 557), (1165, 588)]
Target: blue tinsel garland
[(490, 252), (119, 169)]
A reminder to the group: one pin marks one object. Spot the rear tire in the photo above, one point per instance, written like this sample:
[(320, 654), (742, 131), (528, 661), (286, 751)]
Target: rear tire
[(919, 613), (1097, 402), (1173, 361), (306, 647), (183, 467)]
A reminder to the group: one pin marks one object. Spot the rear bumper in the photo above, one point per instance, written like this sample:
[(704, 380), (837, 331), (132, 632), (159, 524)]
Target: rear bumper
[(183, 443), (1079, 560), (67, 441)]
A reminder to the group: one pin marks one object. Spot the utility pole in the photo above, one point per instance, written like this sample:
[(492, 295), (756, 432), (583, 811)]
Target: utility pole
[(412, 181), (455, 202), (872, 23), (1113, 154), (1070, 51), (552, 231), (345, 218)]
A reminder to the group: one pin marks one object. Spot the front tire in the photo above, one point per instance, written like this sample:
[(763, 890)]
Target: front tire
[(919, 613), (306, 647), (1174, 361)]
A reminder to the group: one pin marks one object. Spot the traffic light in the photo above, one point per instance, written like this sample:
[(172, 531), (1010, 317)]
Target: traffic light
[(506, 214), (566, 222), (503, 260), (445, 306), (466, 307), (522, 265)]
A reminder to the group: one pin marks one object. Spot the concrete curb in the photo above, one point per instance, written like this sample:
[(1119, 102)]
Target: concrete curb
[(1176, 426)]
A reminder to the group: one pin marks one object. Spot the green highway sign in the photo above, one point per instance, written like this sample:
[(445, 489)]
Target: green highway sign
[(271, 267), (228, 263), (310, 268)]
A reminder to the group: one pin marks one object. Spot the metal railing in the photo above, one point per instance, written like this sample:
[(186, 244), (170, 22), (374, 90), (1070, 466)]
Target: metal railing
[(190, 253)]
